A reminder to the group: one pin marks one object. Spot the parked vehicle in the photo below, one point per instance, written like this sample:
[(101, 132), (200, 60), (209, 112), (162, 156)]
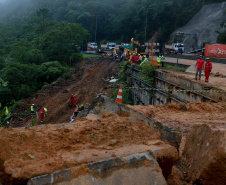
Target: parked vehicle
[(111, 46), (92, 45), (175, 48)]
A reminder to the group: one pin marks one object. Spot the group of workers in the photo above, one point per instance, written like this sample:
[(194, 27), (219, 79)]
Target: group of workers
[(42, 115), (200, 65), (137, 59)]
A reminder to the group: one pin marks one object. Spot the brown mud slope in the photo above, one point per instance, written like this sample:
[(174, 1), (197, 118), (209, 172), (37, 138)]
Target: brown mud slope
[(86, 85), (202, 150), (34, 151), (204, 155), (182, 116)]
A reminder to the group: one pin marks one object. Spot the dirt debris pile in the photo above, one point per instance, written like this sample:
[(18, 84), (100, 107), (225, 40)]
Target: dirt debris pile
[(183, 116), (35, 151), (203, 131), (204, 157)]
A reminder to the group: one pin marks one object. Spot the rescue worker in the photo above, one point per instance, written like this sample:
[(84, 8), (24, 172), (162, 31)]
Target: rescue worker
[(199, 67), (75, 100), (75, 113), (45, 112), (32, 110), (145, 61), (72, 99), (208, 68), (159, 61), (135, 58), (139, 59), (121, 48), (130, 58), (162, 60), (42, 114)]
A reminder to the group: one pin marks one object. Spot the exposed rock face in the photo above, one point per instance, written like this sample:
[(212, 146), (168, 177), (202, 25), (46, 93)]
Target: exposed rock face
[(204, 156), (201, 28)]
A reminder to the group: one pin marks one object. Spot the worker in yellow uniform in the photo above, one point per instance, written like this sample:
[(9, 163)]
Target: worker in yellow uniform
[(45, 112), (144, 62), (159, 60), (162, 60), (32, 110)]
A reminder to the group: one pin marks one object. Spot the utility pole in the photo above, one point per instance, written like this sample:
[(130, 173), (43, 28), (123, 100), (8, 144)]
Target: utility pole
[(202, 15), (146, 25), (96, 29), (179, 34)]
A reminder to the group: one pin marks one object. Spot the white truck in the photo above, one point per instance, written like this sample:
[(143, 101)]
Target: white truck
[(175, 48), (111, 46), (92, 45)]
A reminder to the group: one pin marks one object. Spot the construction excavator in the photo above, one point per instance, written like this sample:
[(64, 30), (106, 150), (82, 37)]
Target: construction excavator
[(137, 48)]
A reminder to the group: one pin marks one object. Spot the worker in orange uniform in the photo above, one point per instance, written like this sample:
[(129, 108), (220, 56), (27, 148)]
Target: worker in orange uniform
[(42, 114), (208, 68), (199, 67), (75, 100)]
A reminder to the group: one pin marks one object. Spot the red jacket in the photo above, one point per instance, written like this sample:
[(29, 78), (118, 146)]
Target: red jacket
[(134, 58), (75, 99), (208, 67)]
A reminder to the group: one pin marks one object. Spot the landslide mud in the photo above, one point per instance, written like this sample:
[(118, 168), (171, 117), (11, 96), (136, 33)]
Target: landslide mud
[(202, 150), (182, 117), (89, 81), (35, 151), (204, 155)]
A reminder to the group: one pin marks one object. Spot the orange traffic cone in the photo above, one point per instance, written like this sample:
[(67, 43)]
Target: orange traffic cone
[(119, 97)]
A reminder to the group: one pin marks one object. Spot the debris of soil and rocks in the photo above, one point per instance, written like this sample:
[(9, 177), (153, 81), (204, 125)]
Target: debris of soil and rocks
[(86, 85), (203, 131), (30, 152)]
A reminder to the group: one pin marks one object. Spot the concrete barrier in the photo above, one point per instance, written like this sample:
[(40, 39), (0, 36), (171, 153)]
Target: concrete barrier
[(134, 169)]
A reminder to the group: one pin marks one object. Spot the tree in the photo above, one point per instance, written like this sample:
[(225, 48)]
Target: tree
[(60, 44)]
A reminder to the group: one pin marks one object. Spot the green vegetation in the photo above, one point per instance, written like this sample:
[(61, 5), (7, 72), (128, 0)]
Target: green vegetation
[(36, 51), (116, 20), (85, 55), (126, 91), (39, 39), (175, 68), (147, 71)]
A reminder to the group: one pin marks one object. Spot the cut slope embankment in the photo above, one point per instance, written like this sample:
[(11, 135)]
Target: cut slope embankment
[(87, 83)]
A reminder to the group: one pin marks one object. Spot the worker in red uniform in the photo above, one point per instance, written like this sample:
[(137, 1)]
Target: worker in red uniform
[(75, 100), (135, 58), (208, 68), (75, 113), (72, 99), (42, 114), (199, 67)]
